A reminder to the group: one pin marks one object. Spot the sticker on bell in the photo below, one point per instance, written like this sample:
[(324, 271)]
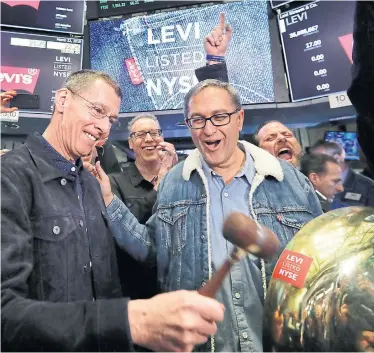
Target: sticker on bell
[(18, 78), (292, 267), (134, 72)]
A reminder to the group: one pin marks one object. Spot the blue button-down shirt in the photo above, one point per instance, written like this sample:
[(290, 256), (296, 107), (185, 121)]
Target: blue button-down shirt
[(242, 291)]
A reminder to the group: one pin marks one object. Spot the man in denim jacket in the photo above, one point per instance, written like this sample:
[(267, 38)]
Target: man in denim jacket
[(184, 235)]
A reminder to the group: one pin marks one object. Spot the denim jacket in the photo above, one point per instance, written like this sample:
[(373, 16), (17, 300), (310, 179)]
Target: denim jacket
[(177, 237)]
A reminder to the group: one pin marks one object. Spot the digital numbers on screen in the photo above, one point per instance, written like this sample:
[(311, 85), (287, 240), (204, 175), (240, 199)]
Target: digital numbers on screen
[(318, 47)]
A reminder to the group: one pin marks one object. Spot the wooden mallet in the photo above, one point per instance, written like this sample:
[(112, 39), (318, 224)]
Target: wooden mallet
[(248, 237)]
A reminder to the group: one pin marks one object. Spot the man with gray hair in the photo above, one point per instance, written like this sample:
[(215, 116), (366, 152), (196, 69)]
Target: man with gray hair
[(184, 235), (136, 186), (59, 279)]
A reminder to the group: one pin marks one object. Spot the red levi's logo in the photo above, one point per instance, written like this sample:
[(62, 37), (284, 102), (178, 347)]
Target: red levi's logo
[(292, 268), (18, 78), (34, 4), (134, 72), (347, 44)]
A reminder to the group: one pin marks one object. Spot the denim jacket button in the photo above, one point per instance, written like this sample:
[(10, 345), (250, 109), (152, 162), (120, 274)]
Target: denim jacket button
[(203, 284), (63, 182), (56, 230)]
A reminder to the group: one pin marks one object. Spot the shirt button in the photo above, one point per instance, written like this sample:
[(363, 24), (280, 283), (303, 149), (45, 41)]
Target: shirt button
[(56, 230), (81, 223), (226, 194), (245, 335), (72, 169), (237, 295), (63, 182)]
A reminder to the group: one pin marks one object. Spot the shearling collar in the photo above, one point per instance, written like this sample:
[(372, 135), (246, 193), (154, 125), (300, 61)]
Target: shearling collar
[(264, 163)]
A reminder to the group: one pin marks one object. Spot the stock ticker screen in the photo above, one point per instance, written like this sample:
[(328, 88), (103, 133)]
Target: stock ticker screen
[(154, 57), (38, 64), (121, 7), (55, 16), (317, 43)]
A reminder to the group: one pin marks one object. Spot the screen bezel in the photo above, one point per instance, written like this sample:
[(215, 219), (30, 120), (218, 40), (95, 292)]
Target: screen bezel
[(53, 30)]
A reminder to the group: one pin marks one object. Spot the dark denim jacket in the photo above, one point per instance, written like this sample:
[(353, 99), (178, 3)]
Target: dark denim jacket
[(57, 278)]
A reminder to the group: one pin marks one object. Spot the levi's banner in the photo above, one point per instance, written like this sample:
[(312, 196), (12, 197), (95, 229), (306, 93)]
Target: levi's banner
[(18, 78), (31, 3), (292, 267)]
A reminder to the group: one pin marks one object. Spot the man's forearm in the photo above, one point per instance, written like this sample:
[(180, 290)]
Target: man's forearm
[(130, 235)]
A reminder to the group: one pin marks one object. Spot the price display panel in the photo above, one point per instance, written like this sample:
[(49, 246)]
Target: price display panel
[(317, 43)]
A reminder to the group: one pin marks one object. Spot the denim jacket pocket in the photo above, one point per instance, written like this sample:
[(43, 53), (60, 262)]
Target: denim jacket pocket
[(54, 253), (54, 228), (173, 226), (289, 219), (293, 220)]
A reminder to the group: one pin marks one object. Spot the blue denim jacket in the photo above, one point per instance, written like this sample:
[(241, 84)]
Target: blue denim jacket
[(177, 236)]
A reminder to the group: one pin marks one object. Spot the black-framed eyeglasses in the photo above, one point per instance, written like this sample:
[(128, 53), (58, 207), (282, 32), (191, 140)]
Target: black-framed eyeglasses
[(98, 112), (142, 134), (220, 119)]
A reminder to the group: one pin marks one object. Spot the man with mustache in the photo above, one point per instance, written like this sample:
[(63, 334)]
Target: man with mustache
[(272, 136), (59, 279)]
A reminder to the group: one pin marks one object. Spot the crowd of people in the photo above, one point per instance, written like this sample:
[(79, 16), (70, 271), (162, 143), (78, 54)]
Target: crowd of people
[(95, 262)]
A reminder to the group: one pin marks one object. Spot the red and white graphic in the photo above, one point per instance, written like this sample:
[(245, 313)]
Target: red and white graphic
[(347, 44), (18, 78), (32, 3), (134, 72), (292, 268)]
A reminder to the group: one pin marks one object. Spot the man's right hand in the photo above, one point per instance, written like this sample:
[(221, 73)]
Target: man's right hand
[(174, 322), (5, 97), (217, 41)]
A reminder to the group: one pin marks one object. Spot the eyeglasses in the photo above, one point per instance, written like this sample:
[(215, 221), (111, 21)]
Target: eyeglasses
[(216, 119), (142, 134), (98, 112)]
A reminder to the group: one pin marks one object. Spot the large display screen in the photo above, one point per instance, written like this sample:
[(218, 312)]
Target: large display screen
[(348, 140), (154, 57), (56, 16), (317, 42), (109, 8), (38, 64)]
